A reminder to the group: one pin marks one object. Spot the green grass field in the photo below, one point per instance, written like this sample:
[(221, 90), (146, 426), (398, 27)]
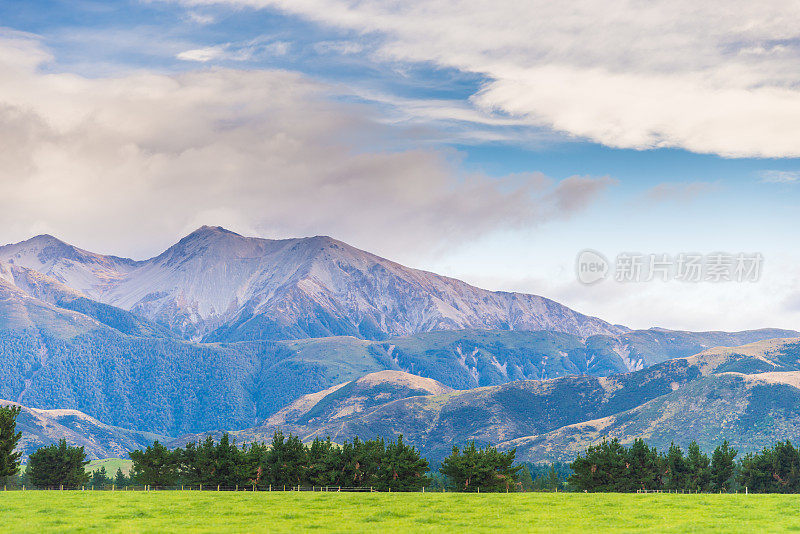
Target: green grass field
[(53, 511)]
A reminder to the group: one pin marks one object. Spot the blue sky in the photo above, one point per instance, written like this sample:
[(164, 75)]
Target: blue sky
[(492, 141)]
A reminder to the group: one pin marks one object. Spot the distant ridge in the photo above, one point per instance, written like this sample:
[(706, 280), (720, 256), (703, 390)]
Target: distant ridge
[(749, 395), (216, 285), (41, 428)]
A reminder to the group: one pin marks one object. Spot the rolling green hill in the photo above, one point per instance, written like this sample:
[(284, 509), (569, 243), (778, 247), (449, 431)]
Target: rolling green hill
[(111, 465)]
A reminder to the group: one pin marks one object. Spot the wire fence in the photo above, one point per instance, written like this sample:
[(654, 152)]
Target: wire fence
[(206, 487), (334, 489), (281, 488)]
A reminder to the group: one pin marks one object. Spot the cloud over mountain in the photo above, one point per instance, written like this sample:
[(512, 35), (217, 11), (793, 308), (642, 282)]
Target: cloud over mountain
[(265, 151)]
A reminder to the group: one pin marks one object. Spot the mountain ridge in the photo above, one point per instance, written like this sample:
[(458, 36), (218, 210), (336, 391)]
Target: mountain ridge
[(216, 285)]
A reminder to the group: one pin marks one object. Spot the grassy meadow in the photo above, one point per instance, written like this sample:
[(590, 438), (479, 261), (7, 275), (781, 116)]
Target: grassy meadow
[(174, 511)]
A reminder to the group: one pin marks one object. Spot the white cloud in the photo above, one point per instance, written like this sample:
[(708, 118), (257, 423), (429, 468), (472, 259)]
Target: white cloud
[(338, 47), (203, 19), (126, 164), (250, 50), (202, 55), (780, 177), (717, 76)]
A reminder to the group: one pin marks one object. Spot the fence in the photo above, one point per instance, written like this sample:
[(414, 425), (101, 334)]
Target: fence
[(204, 487), (335, 489), (745, 491)]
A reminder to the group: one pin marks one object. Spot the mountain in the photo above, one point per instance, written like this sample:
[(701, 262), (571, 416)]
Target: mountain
[(747, 395), (41, 428), (216, 285), (106, 335), (53, 357), (126, 371), (83, 271)]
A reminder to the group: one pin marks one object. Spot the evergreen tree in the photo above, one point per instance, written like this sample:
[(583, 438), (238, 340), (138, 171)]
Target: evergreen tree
[(155, 466), (99, 478), (321, 463), (402, 468), (285, 461), (222, 464), (722, 467), (487, 469), (525, 478), (675, 469), (9, 460), (195, 462), (699, 474), (229, 469), (358, 462), (645, 466), (120, 480), (58, 465), (254, 459), (773, 470), (605, 467), (553, 482)]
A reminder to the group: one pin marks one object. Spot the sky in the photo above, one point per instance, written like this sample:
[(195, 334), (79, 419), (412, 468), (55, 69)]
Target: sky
[(489, 141)]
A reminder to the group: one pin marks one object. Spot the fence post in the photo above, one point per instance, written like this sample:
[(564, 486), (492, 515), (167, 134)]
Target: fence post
[(423, 489), (217, 487), (479, 489), (237, 487)]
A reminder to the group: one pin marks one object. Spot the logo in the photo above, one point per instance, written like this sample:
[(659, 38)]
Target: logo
[(591, 267)]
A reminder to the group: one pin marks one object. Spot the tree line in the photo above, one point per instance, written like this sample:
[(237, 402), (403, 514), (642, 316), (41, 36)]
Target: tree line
[(612, 467), (284, 462), (287, 462), (397, 466)]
